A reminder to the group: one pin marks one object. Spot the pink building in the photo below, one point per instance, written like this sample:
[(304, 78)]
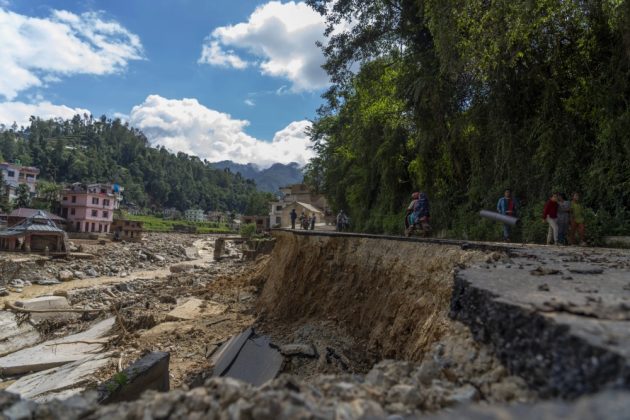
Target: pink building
[(90, 208)]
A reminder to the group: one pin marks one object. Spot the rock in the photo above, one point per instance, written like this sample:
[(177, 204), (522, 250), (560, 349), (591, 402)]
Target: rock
[(47, 282), (406, 394), (4, 291), (463, 395), (65, 275), (544, 287), (159, 258), (168, 299), (306, 350), (191, 253), (91, 272), (16, 283), (79, 274), (181, 268), (359, 409)]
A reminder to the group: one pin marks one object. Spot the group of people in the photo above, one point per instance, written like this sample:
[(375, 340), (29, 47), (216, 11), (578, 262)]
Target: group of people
[(565, 218), (306, 222)]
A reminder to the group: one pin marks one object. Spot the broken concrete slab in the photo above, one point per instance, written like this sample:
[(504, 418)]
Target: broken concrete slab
[(44, 303), (63, 381), (565, 338), (168, 328), (249, 358), (57, 352), (14, 336), (195, 308), (148, 373)]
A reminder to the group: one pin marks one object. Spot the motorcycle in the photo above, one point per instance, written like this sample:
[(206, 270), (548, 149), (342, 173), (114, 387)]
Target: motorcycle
[(420, 227)]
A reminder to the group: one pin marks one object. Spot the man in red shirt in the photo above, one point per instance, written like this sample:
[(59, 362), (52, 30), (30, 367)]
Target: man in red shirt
[(550, 216)]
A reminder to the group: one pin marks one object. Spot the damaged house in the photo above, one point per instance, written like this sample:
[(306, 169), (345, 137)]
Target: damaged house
[(37, 233)]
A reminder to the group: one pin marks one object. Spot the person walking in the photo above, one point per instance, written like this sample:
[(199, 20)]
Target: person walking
[(550, 216), (507, 206), (341, 221), (313, 220), (293, 218), (577, 220), (564, 212)]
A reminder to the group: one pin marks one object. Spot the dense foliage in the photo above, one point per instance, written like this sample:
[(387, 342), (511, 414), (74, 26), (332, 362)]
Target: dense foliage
[(463, 98), (103, 150)]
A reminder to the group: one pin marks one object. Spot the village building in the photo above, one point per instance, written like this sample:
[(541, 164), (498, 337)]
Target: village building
[(195, 215), (261, 222), (303, 200), (90, 207), (217, 217), (19, 215), (37, 233), (127, 230), (171, 214), (16, 175)]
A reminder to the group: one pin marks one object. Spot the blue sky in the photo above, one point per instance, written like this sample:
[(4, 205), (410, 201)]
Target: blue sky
[(249, 70)]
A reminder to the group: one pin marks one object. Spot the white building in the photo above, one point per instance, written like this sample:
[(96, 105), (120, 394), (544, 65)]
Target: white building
[(15, 175), (195, 215)]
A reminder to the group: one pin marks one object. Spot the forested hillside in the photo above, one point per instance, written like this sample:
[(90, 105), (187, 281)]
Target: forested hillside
[(463, 98), (88, 150)]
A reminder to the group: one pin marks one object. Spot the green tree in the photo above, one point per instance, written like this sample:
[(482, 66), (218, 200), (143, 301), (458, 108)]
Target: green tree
[(5, 204), (23, 198)]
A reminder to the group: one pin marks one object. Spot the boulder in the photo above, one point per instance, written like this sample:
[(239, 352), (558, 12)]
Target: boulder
[(65, 275)]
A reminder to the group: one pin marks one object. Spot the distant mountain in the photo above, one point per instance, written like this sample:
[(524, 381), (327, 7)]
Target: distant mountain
[(270, 179)]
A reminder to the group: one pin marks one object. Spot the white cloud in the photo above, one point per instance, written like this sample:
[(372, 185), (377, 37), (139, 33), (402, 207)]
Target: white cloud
[(35, 51), (185, 125), (249, 102), (282, 36), (212, 53), (20, 112)]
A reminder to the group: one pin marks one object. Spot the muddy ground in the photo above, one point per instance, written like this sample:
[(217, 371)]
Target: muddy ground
[(373, 326)]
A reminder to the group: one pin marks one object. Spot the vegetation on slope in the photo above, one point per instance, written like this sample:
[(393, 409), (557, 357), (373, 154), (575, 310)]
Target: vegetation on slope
[(463, 99), (87, 150)]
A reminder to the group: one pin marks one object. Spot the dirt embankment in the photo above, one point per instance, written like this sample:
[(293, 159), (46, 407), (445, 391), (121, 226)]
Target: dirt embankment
[(392, 295)]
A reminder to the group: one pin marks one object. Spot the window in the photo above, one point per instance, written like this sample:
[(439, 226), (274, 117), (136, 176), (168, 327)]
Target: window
[(106, 202), (94, 200), (278, 220), (105, 214), (11, 174), (30, 177), (94, 214), (93, 227), (78, 226), (65, 199), (21, 175), (74, 198), (73, 211)]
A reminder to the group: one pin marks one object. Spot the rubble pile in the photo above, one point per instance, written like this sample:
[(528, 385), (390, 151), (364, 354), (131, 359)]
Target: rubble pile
[(93, 259)]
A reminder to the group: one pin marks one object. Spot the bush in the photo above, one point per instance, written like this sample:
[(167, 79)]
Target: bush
[(248, 230)]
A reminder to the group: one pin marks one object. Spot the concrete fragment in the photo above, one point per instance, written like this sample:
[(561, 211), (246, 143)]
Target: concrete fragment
[(247, 357), (56, 352), (148, 373), (195, 308), (48, 302), (66, 380), (14, 337)]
